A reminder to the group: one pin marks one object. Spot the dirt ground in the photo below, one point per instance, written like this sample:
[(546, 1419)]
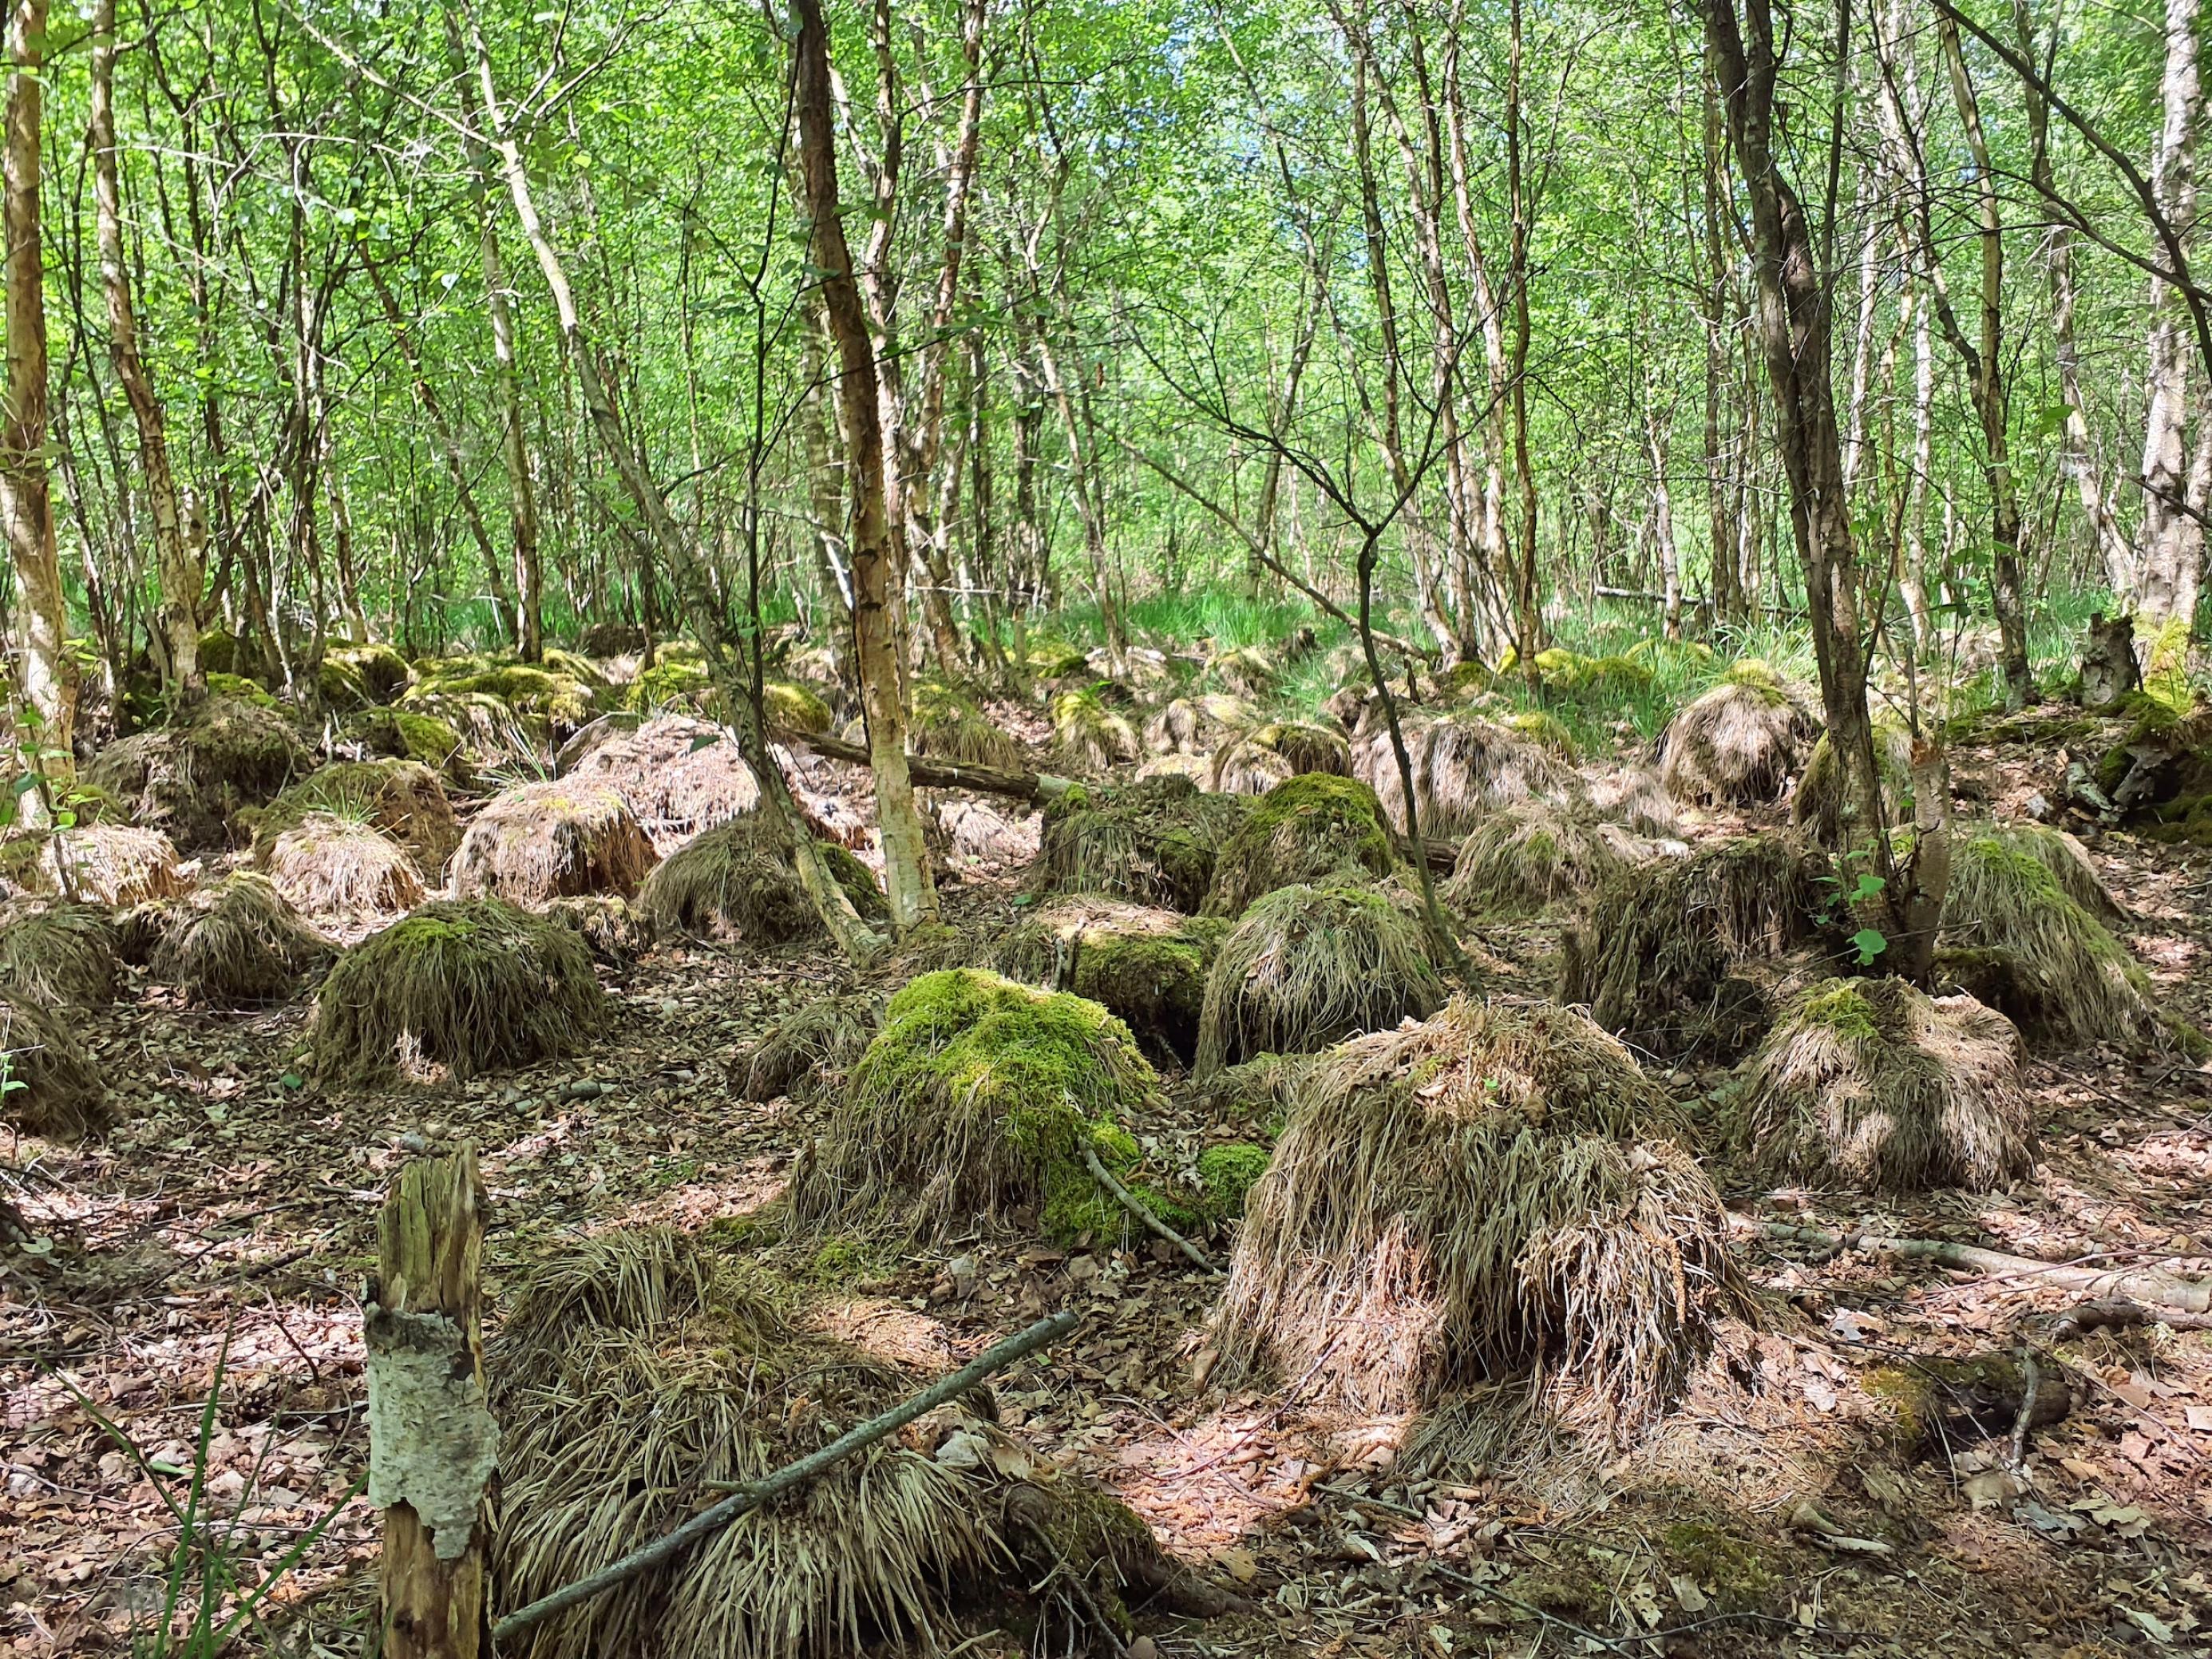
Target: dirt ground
[(227, 1225)]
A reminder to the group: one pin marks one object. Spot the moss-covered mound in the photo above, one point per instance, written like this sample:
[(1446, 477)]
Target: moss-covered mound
[(472, 984), (1465, 767), (791, 707), (1818, 804), (53, 1088), (330, 866), (380, 672), (189, 780), (1737, 745), (1088, 733), (1313, 828), (679, 776), (1146, 966), (404, 799), (1873, 1085), (2015, 936), (113, 864), (555, 702), (408, 734), (1308, 966), (1670, 954), (945, 723), (57, 953), (1247, 671), (492, 734), (238, 944), (1497, 1196), (2159, 773), (1521, 858), (642, 1351), (974, 1103), (540, 842), (1256, 762), (1156, 841), (677, 682), (737, 881)]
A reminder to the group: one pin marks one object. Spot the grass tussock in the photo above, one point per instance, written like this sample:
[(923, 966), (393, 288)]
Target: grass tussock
[(190, 779), (470, 984), (811, 1048), (1146, 966), (1818, 806), (325, 865), (1157, 842), (62, 955), (113, 864), (1494, 1196), (974, 1103), (1309, 966), (1465, 767), (1659, 955), (679, 776), (1736, 744), (239, 944), (1253, 762), (53, 1089), (1873, 1085), (1632, 795), (1089, 735), (946, 724), (1523, 858), (406, 800), (737, 881), (540, 842), (1314, 828)]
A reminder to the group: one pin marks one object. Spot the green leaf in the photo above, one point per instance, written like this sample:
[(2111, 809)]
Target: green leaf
[(1868, 887), (1870, 945)]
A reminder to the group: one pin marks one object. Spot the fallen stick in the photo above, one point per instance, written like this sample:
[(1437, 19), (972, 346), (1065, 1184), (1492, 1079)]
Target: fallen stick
[(2152, 1285), (1037, 788), (1137, 1208), (708, 1521)]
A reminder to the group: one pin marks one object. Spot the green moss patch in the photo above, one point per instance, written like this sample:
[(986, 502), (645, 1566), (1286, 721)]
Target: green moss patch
[(1157, 842), (1314, 828)]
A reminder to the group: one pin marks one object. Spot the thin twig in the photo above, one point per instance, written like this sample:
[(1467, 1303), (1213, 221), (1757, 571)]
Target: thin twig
[(708, 1521), (1137, 1208)]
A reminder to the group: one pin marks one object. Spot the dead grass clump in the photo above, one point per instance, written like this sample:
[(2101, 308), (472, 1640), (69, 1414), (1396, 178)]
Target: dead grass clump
[(236, 944), (540, 842), (1309, 966), (113, 864), (979, 831), (404, 798), (326, 866), (188, 780), (976, 1100), (1155, 842), (1465, 767), (1633, 795), (471, 984), (1495, 1196), (1660, 955), (2062, 855), (947, 725), (737, 880), (811, 1048), (1523, 858), (60, 954), (1087, 734), (1256, 762), (1312, 829), (1146, 966), (1175, 728), (2047, 963), (1737, 745), (1818, 805), (53, 1088), (1248, 671), (1873, 1085), (678, 774)]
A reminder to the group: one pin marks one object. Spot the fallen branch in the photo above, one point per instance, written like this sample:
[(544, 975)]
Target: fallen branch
[(2152, 1285), (709, 1522), (1037, 788), (1137, 1208)]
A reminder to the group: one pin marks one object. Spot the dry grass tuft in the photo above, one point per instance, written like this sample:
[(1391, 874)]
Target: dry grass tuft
[(1256, 762), (1089, 736), (1873, 1085), (1309, 966), (113, 864), (471, 984), (812, 1048), (1521, 858), (1659, 957), (947, 725), (678, 774), (1465, 767), (738, 880), (974, 1101), (1492, 1195), (188, 780), (1634, 796), (2062, 855), (1818, 806), (236, 944), (52, 1089), (63, 955), (1313, 828), (1156, 841), (332, 866), (1737, 745), (1176, 728), (540, 842), (404, 798)]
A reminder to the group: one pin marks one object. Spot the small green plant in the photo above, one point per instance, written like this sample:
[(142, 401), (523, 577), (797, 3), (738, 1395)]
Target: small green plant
[(1840, 903)]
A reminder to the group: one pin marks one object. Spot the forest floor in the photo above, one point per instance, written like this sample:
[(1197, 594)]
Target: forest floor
[(218, 1238)]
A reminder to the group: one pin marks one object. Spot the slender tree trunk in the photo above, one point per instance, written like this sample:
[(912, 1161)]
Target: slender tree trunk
[(1722, 514), (176, 557), (2151, 578), (1655, 422), (1528, 620)]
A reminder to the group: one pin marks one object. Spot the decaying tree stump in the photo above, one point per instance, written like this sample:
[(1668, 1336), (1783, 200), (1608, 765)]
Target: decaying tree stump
[(2108, 662), (433, 1445)]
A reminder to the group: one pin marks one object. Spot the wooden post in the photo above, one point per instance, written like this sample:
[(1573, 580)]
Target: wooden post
[(433, 1444)]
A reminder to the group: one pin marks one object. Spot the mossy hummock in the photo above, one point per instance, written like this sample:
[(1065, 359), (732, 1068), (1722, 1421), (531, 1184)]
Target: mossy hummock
[(558, 839), (1312, 829), (975, 1102), (1158, 842), (190, 779), (737, 881), (1147, 966)]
